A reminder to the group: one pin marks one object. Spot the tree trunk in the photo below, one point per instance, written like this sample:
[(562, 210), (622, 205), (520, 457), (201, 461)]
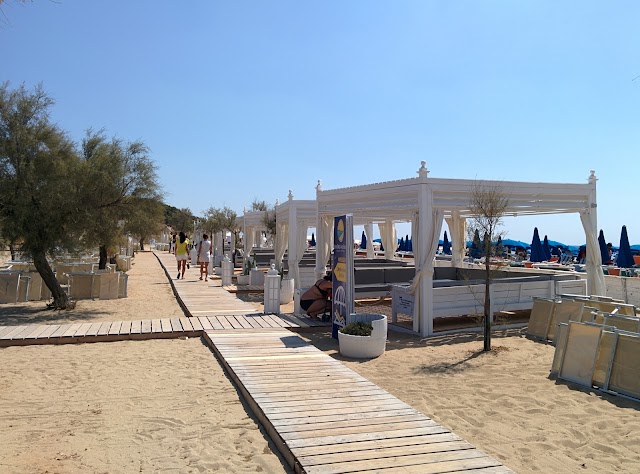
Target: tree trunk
[(60, 298), (142, 243), (487, 298), (102, 263), (12, 251)]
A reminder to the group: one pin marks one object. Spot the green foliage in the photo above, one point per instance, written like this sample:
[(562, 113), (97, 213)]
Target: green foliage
[(178, 219), (357, 329)]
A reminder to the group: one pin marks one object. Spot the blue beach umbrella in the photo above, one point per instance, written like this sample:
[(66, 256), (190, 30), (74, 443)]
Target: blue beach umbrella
[(546, 249), (604, 251), (401, 246), (446, 246), (625, 258), (313, 240), (363, 241), (409, 246), (537, 253)]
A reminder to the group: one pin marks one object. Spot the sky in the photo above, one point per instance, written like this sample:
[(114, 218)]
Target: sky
[(247, 100)]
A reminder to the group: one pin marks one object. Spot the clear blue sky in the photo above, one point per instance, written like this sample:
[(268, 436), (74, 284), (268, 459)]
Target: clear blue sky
[(248, 99)]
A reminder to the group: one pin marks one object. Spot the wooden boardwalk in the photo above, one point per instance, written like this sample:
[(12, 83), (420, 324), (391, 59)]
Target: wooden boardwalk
[(325, 418), (210, 298), (77, 333)]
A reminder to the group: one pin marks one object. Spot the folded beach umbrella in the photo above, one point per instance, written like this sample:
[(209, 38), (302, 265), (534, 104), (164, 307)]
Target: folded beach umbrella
[(537, 253), (625, 258), (475, 250), (546, 249), (446, 246), (499, 247), (401, 246), (604, 251), (409, 246), (313, 240), (363, 241)]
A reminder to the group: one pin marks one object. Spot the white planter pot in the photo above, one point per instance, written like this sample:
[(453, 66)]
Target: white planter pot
[(286, 291), (256, 277), (365, 347), (243, 280)]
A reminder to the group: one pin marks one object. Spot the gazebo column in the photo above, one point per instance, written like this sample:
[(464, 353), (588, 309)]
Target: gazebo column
[(422, 285), (368, 230), (320, 238), (589, 218), (292, 257)]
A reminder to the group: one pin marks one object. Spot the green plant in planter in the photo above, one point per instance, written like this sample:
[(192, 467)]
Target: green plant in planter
[(249, 263), (357, 329)]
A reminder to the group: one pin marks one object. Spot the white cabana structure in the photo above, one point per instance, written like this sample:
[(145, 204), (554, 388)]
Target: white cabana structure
[(426, 202), (293, 220), (252, 228)]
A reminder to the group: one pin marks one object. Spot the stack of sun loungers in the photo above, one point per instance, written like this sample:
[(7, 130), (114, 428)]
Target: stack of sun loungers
[(597, 341)]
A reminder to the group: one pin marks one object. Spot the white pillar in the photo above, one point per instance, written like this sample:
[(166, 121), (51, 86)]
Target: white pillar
[(320, 237), (425, 229), (292, 256), (368, 230)]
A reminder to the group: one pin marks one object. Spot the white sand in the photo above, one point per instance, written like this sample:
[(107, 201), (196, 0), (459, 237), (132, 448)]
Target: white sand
[(134, 406)]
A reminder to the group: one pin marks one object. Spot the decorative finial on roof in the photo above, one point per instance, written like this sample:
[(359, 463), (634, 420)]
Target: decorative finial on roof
[(277, 202), (423, 171), (592, 176), (290, 196), (319, 186)]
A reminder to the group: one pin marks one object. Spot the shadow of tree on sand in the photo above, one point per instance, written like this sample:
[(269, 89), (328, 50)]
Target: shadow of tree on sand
[(22, 314)]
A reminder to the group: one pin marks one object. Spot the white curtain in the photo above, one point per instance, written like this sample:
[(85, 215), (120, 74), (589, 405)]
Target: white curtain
[(282, 242), (249, 240), (427, 251), (457, 231), (414, 239), (595, 275), (301, 246), (323, 253), (389, 238)]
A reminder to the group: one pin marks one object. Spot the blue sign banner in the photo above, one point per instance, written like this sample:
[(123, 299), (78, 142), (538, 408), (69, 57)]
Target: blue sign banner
[(342, 292)]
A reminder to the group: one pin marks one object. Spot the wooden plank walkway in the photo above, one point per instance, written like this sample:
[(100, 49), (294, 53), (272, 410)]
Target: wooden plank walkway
[(210, 298), (108, 331), (325, 418)]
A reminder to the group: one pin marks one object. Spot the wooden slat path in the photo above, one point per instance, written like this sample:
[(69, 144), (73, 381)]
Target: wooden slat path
[(76, 333), (325, 418), (210, 299)]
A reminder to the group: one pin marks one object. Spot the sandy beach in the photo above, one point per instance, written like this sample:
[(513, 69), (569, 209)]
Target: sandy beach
[(166, 405), (120, 407), (504, 403)]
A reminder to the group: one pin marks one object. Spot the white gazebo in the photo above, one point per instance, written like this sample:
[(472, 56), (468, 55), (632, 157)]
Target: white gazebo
[(252, 228), (293, 220), (427, 202)]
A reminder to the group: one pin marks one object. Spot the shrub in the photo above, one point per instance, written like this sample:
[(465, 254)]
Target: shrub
[(357, 329)]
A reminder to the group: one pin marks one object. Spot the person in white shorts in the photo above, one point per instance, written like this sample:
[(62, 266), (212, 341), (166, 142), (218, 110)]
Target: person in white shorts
[(182, 253), (205, 250)]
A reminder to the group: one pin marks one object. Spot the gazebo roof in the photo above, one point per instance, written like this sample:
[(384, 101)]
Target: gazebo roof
[(399, 200), (253, 219), (306, 210)]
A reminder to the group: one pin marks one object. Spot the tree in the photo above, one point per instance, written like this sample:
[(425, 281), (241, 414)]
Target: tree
[(145, 219), (488, 205), (178, 219), (118, 176), (40, 182)]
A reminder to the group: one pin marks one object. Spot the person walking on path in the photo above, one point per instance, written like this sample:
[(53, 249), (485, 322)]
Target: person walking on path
[(204, 252), (182, 253)]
